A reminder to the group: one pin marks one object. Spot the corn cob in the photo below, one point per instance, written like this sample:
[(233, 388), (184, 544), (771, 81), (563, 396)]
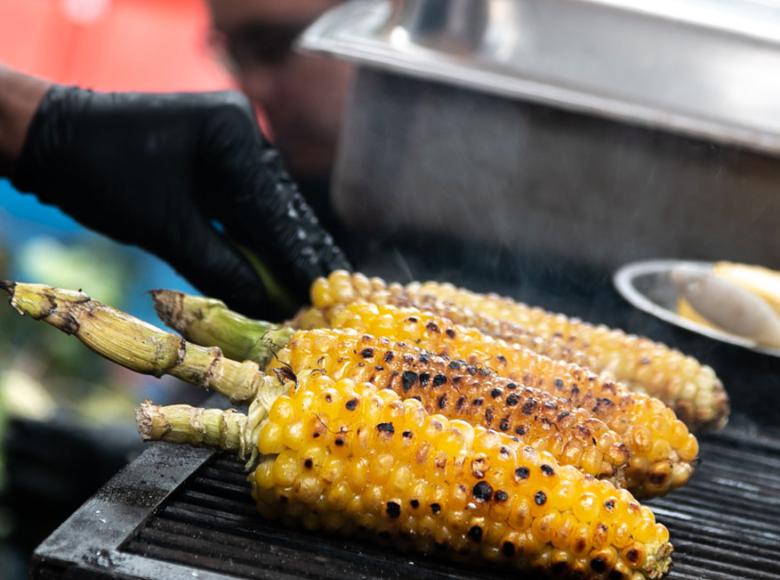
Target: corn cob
[(346, 456), (350, 459), (691, 389), (377, 292), (661, 448), (655, 468), (444, 386)]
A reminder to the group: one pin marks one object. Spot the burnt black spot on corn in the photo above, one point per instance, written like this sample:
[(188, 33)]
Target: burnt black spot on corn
[(385, 428), (482, 491), (393, 510), (408, 379), (475, 533)]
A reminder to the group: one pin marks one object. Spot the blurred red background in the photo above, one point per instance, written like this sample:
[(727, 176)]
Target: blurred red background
[(150, 45)]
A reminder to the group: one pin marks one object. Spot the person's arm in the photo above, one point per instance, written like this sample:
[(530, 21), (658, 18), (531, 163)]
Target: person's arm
[(20, 96), (186, 176)]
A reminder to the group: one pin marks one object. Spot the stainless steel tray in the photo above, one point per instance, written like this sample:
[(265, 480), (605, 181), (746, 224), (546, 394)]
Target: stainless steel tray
[(706, 68), (648, 286)]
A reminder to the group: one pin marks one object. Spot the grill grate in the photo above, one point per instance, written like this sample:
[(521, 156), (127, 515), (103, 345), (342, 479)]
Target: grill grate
[(725, 524)]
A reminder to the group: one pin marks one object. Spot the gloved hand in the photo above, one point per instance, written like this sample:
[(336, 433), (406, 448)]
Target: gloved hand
[(185, 176)]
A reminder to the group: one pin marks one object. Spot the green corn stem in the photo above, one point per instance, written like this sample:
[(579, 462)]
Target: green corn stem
[(218, 428), (209, 322), (133, 343)]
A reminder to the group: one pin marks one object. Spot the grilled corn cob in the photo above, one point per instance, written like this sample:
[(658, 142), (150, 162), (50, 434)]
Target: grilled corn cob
[(691, 389), (377, 292), (661, 448), (346, 456), (456, 390)]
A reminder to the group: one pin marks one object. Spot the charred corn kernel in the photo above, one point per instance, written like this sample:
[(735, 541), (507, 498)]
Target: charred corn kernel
[(459, 391), (691, 389), (637, 420)]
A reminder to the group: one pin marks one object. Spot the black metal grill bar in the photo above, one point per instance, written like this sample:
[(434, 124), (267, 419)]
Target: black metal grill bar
[(708, 566), (682, 571), (174, 554), (749, 495), (735, 476), (703, 518), (729, 546), (726, 544), (697, 500), (725, 524), (703, 544), (718, 553), (211, 492), (223, 535)]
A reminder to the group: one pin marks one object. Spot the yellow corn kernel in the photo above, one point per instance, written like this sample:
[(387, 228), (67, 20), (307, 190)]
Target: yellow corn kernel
[(264, 474), (271, 438)]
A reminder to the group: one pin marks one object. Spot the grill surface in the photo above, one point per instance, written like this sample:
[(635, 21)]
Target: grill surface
[(725, 524), (180, 512)]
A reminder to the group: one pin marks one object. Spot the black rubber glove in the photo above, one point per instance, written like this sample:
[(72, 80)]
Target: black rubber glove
[(185, 176)]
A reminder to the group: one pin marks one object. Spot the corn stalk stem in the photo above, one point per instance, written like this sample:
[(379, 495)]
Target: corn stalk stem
[(135, 344), (209, 322), (221, 429)]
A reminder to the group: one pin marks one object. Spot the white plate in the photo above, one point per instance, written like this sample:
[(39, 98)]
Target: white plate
[(648, 286)]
